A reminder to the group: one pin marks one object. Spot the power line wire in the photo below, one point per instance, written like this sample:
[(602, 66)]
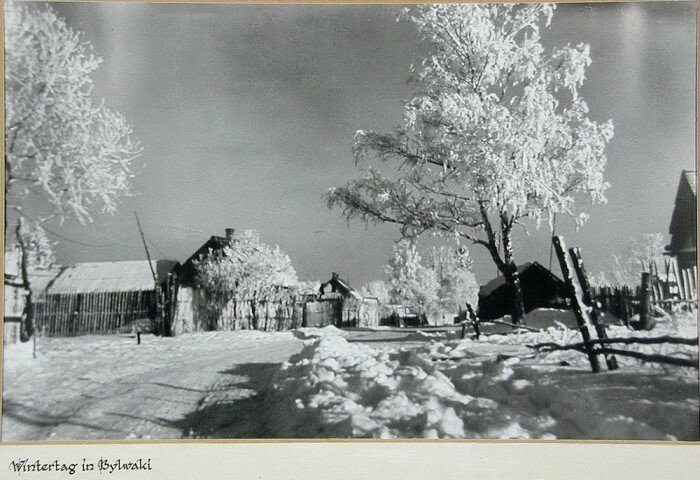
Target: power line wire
[(77, 242), (156, 247)]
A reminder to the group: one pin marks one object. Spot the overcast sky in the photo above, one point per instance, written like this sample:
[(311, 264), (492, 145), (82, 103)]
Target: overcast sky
[(246, 115)]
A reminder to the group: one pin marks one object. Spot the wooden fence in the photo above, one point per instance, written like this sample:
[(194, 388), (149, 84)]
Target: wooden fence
[(670, 289), (102, 312), (595, 341)]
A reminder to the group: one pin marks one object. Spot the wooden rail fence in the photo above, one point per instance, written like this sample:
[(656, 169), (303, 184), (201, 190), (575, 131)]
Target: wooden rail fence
[(670, 289)]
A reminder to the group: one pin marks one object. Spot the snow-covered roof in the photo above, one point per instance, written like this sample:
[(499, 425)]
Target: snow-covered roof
[(500, 280), (40, 279), (127, 276), (351, 291)]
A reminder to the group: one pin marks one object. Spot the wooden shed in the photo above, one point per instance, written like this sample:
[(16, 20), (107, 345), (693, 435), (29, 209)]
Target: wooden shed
[(102, 297), (683, 227), (541, 289)]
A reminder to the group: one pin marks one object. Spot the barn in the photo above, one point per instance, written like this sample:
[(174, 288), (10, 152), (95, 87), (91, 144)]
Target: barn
[(340, 305), (103, 297), (683, 227), (541, 289)]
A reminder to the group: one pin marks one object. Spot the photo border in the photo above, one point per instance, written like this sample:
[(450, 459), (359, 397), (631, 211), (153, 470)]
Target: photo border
[(359, 458)]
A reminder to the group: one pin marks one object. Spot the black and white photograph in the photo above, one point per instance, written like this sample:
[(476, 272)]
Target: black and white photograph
[(366, 221)]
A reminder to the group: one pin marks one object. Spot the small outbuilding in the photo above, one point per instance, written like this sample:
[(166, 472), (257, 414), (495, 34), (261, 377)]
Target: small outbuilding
[(541, 289)]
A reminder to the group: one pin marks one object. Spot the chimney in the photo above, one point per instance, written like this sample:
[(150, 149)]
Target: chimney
[(229, 233)]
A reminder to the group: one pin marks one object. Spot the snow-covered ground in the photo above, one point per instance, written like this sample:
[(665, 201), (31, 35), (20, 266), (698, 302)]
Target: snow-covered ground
[(496, 387), (337, 383), (106, 386)]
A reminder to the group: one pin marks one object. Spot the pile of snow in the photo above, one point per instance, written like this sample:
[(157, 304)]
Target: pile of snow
[(20, 353), (680, 325), (336, 388), (495, 387)]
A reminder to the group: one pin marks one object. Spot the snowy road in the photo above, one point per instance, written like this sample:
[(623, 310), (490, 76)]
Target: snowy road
[(101, 387), (207, 384)]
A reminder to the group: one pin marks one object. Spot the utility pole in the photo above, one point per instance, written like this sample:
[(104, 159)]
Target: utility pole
[(159, 300)]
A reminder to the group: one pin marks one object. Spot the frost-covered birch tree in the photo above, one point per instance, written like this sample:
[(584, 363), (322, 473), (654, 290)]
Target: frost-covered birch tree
[(246, 270), (412, 283), (457, 284), (496, 134), (377, 289), (643, 252), (69, 152)]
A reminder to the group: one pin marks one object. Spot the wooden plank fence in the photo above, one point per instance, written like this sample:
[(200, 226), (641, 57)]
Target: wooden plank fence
[(100, 312)]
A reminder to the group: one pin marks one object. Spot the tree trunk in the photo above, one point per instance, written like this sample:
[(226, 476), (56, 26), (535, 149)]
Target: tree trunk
[(512, 277), (513, 281), (28, 313), (506, 265), (254, 314)]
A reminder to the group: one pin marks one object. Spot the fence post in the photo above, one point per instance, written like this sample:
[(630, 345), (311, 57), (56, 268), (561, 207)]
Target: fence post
[(645, 321), (576, 297), (588, 299), (620, 293)]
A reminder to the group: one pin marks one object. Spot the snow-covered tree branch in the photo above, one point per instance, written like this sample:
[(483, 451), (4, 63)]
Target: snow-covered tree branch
[(60, 144)]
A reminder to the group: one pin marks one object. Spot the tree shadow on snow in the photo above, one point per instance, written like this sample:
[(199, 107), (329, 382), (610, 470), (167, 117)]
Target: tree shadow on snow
[(235, 407), (41, 422)]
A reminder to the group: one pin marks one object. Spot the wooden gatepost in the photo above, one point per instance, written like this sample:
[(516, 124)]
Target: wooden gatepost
[(580, 309)]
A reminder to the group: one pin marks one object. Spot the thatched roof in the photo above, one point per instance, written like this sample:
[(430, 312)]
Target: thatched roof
[(128, 276), (500, 280)]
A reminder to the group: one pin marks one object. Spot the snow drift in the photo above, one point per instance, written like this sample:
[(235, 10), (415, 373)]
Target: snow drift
[(493, 388)]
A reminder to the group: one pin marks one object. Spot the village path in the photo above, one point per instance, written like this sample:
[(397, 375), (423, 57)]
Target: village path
[(107, 387)]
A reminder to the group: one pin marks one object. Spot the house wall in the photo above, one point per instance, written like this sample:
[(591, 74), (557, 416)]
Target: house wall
[(323, 312)]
